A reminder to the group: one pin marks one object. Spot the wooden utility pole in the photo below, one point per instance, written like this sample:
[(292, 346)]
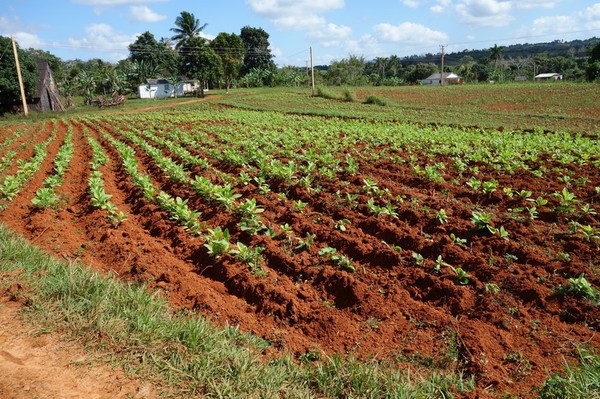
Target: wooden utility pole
[(25, 109), (442, 72), (312, 72)]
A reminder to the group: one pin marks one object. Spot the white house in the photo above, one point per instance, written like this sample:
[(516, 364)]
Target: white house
[(450, 78), (161, 88), (549, 76)]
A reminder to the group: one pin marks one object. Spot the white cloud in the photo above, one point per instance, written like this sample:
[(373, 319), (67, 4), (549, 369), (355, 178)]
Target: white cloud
[(411, 3), (331, 31), (28, 40), (294, 14), (485, 13), (367, 46), (8, 25), (528, 4), (277, 8), (103, 38), (109, 3), (437, 9), (409, 33), (304, 15), (276, 51), (25, 36), (145, 14), (588, 19)]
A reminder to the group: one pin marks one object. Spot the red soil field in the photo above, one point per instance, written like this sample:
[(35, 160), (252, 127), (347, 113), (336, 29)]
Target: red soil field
[(389, 308)]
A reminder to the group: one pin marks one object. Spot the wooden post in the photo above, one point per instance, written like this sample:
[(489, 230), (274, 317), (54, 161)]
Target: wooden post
[(25, 109), (442, 73), (312, 72)]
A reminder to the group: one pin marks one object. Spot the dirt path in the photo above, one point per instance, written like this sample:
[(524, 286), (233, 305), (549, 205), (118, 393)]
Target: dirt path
[(40, 366)]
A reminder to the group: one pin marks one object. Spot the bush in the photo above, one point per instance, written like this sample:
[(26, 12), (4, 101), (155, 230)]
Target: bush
[(348, 96), (372, 99)]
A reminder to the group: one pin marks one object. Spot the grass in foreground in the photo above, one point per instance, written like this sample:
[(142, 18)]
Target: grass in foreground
[(184, 354)]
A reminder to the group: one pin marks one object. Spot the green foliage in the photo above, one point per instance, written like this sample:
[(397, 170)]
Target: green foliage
[(230, 49), (45, 197), (187, 26), (482, 222), (462, 276), (348, 71), (325, 93), (150, 58), (338, 258), (581, 288), (217, 242), (348, 95), (579, 382), (258, 55), (376, 100), (10, 93), (441, 217)]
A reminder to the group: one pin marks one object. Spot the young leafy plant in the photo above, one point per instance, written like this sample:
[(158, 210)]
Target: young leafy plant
[(581, 288), (217, 242), (462, 276), (482, 222)]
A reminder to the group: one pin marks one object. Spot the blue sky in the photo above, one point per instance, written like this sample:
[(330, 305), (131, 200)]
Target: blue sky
[(334, 28)]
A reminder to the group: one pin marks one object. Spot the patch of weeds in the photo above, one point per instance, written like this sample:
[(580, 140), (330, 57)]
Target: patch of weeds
[(579, 382), (348, 96), (375, 100), (324, 93), (521, 365), (581, 288)]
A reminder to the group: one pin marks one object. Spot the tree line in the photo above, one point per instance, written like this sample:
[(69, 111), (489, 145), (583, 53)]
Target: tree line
[(245, 60)]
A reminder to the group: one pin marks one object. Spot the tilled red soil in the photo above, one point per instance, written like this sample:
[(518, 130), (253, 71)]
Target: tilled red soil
[(391, 307)]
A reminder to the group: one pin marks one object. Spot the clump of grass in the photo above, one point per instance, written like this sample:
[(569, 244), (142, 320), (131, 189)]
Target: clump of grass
[(184, 354), (324, 93), (580, 382), (375, 100), (348, 96)]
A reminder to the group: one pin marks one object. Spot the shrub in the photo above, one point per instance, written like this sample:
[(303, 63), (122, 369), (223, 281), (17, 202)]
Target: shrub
[(348, 96), (372, 99)]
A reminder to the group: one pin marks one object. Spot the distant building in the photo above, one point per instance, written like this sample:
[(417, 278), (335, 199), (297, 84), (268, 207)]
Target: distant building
[(450, 78), (162, 88), (549, 76), (47, 97)]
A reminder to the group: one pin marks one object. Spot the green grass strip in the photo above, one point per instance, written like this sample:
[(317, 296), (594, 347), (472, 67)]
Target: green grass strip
[(183, 354)]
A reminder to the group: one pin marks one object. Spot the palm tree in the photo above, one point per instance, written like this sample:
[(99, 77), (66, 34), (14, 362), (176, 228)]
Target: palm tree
[(497, 52), (188, 26)]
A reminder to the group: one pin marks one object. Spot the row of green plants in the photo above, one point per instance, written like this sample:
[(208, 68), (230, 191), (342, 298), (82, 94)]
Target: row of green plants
[(217, 240), (11, 185), (99, 198), (224, 195), (46, 197)]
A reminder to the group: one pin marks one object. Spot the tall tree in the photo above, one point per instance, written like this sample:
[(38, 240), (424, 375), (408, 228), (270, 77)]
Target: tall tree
[(497, 54), (187, 27), (148, 50), (592, 71), (347, 71), (9, 86), (199, 61), (466, 68), (230, 49), (258, 55)]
